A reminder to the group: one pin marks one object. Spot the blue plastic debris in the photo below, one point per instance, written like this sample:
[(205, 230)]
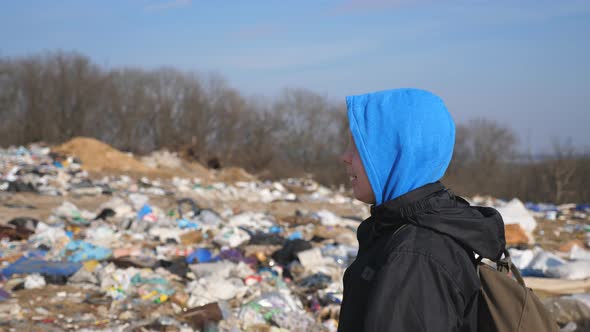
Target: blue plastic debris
[(36, 253), (84, 251), (541, 207), (26, 265), (275, 230), (235, 256), (334, 298), (144, 211), (269, 270), (200, 255), (4, 295), (532, 206), (187, 224), (295, 236)]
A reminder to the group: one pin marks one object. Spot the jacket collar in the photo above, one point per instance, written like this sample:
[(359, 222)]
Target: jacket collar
[(480, 229), (409, 203)]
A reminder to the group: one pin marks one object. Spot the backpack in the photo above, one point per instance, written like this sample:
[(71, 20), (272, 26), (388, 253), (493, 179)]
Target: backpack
[(506, 304)]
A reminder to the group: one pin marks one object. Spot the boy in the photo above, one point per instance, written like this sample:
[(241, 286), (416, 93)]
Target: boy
[(415, 266)]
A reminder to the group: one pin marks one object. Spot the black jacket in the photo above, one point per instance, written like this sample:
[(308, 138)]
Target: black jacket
[(421, 276)]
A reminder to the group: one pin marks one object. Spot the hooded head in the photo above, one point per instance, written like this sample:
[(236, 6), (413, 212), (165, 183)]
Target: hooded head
[(404, 138)]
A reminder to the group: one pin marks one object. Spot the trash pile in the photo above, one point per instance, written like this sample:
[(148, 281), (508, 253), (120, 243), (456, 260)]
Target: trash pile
[(172, 253), (149, 248)]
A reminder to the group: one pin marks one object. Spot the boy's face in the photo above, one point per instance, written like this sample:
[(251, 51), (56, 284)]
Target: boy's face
[(361, 187)]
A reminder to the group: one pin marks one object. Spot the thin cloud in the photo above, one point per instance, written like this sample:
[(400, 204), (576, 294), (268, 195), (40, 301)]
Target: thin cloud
[(258, 31), (489, 13), (278, 58), (171, 4), (349, 6)]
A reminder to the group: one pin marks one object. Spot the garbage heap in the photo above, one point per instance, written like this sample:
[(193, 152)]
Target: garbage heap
[(175, 247)]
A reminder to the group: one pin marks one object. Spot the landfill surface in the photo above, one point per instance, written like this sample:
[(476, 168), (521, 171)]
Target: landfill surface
[(95, 239)]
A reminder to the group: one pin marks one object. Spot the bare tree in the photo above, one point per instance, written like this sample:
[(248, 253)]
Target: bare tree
[(559, 172), (55, 96)]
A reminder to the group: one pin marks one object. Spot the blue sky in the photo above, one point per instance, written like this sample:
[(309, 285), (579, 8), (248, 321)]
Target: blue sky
[(523, 63)]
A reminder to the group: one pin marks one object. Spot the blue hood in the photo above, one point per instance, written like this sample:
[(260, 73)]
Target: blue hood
[(405, 138)]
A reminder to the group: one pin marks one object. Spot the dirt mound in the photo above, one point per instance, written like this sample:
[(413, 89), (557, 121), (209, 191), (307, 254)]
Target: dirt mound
[(234, 174), (170, 163), (97, 156), (189, 170)]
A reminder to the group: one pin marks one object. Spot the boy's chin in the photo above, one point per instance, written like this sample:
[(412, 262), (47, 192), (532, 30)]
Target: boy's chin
[(365, 199)]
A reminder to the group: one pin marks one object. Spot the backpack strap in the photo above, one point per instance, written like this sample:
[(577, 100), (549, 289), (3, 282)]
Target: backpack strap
[(508, 266), (504, 265), (380, 259)]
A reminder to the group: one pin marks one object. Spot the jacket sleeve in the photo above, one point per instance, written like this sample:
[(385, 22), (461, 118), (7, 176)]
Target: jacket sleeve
[(413, 292)]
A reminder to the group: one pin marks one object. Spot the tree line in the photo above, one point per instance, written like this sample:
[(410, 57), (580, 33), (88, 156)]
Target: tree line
[(55, 96)]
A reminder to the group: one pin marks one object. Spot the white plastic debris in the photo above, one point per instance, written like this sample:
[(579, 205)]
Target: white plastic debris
[(217, 281), (253, 221), (540, 262), (543, 261), (537, 261), (514, 212), (231, 237), (311, 257), (328, 218), (220, 269), (165, 234), (70, 211), (571, 270), (162, 159), (551, 215), (209, 218), (521, 258), (101, 236), (579, 253), (181, 184), (83, 277), (52, 237), (34, 281), (207, 290), (116, 282), (138, 200)]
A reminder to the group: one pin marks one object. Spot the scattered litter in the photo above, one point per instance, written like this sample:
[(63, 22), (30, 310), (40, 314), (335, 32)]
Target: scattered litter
[(141, 245)]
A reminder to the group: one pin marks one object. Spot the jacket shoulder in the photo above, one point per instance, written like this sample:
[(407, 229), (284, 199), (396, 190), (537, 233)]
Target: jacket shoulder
[(444, 253)]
